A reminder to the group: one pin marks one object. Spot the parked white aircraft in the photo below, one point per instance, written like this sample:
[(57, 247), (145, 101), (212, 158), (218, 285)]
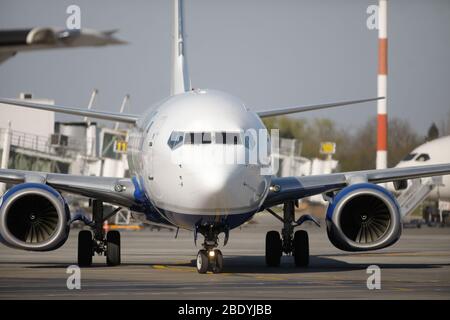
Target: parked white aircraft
[(432, 152), (208, 196)]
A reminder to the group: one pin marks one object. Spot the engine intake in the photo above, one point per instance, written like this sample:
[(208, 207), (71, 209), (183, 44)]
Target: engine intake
[(33, 216), (363, 217)]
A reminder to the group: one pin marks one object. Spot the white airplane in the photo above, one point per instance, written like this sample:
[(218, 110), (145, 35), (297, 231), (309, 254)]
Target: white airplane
[(208, 197), (432, 152)]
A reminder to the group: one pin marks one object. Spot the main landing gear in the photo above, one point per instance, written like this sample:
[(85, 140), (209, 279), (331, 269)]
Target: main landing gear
[(97, 240), (209, 258), (295, 244)]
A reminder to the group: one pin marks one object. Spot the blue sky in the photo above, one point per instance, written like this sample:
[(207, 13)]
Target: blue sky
[(268, 53)]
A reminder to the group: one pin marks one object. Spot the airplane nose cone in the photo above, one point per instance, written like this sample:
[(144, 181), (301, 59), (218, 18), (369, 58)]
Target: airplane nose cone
[(230, 189), (216, 181)]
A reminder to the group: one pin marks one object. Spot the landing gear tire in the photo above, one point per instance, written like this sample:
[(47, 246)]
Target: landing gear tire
[(202, 261), (85, 249), (301, 248), (113, 248), (273, 249), (218, 263)]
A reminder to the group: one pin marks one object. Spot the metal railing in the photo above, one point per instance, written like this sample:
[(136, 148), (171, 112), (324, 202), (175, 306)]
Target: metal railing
[(44, 144)]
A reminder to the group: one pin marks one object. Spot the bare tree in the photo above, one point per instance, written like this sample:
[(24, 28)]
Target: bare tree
[(444, 126)]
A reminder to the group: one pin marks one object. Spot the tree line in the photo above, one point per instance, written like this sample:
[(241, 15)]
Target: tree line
[(355, 150)]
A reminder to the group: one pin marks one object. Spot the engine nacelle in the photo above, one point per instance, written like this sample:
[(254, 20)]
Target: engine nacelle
[(33, 216), (363, 217)]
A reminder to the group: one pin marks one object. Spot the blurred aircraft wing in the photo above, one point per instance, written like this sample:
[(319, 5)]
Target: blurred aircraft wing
[(119, 191), (13, 41), (293, 188), (85, 112), (297, 109)]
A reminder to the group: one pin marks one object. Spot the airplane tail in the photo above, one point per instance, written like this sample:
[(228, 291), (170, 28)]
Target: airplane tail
[(180, 75)]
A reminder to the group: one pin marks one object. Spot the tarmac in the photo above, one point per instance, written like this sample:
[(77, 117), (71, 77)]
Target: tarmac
[(155, 265)]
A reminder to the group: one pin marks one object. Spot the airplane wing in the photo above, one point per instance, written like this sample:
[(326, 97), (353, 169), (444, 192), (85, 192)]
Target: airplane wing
[(13, 41), (119, 191), (288, 110), (105, 115), (293, 188)]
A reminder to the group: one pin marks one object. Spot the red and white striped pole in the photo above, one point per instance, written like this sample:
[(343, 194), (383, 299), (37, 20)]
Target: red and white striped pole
[(382, 125)]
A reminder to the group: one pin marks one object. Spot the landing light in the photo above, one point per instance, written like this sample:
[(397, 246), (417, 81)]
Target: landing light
[(275, 188), (212, 253)]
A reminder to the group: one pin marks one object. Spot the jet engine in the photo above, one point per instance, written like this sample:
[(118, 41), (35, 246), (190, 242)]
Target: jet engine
[(33, 216), (363, 217)]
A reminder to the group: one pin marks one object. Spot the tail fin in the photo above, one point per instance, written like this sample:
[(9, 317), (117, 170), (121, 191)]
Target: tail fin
[(180, 76)]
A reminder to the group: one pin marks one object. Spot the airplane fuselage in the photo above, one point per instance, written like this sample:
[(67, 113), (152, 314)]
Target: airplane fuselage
[(190, 155)]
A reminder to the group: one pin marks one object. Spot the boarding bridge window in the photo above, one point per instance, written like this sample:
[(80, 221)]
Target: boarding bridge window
[(175, 140), (228, 138), (423, 157), (198, 138), (410, 157)]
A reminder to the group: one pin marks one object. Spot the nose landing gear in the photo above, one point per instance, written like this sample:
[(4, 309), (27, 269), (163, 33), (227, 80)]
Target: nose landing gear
[(210, 258)]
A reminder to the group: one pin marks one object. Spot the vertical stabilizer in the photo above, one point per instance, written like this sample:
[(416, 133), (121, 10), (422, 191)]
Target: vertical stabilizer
[(180, 75)]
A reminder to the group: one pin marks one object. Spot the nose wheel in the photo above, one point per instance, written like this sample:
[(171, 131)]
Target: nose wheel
[(211, 260), (202, 261)]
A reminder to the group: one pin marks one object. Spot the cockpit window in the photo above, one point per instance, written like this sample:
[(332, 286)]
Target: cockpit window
[(178, 138), (228, 138), (192, 138), (175, 140), (409, 157), (206, 138), (423, 157), (198, 138)]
